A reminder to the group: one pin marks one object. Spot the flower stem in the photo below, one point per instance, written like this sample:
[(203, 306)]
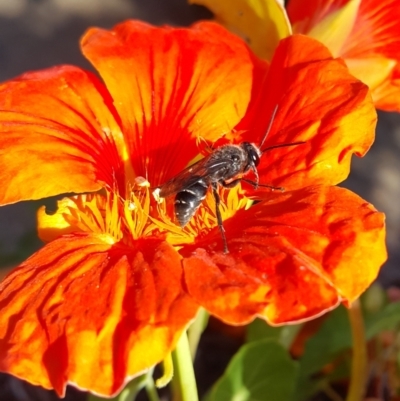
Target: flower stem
[(196, 329), (151, 390), (184, 382), (359, 361), (132, 389)]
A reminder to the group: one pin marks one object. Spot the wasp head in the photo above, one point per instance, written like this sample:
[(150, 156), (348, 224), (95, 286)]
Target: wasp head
[(253, 155)]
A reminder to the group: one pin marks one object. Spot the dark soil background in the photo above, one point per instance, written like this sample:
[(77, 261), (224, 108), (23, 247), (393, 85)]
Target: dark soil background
[(36, 34)]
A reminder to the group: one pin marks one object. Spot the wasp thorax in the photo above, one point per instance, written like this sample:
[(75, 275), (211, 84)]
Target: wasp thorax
[(225, 167)]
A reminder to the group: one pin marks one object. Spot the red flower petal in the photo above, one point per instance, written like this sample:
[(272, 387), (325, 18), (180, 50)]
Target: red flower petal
[(239, 287), (319, 102), (386, 95), (171, 86), (291, 257), (375, 31), (305, 15), (87, 312), (376, 37), (58, 134), (370, 48)]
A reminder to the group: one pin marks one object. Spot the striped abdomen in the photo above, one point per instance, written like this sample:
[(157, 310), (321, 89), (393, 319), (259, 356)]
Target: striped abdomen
[(188, 201)]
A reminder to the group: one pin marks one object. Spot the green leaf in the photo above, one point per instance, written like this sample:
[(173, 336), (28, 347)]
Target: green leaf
[(332, 341), (326, 345), (260, 371), (333, 337), (387, 319), (260, 330), (374, 299)]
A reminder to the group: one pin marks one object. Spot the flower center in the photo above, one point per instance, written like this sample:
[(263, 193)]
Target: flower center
[(139, 216)]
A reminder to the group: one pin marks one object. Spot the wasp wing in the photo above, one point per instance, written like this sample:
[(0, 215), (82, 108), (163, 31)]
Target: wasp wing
[(209, 169)]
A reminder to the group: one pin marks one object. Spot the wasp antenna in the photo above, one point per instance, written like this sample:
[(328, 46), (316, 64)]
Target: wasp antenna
[(283, 145), (269, 126)]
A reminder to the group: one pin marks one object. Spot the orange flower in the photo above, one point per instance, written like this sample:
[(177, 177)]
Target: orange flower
[(365, 33), (119, 281)]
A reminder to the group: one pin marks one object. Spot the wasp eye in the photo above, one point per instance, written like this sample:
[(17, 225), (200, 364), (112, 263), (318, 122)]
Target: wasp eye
[(254, 158)]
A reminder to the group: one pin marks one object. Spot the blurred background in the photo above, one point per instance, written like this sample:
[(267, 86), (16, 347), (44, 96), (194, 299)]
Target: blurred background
[(36, 34)]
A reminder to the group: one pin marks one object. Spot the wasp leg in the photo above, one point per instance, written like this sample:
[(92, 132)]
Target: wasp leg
[(230, 184), (219, 217), (253, 183)]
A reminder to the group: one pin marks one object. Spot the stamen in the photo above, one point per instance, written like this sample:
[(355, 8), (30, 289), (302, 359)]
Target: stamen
[(139, 216), (93, 213), (231, 200), (136, 212)]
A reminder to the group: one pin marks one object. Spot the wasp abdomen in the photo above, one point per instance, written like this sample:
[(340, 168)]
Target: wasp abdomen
[(188, 201)]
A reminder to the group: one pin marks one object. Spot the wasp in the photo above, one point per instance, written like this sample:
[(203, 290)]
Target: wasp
[(224, 166)]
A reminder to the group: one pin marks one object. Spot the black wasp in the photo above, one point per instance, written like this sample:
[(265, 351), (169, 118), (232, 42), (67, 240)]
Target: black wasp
[(224, 166)]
